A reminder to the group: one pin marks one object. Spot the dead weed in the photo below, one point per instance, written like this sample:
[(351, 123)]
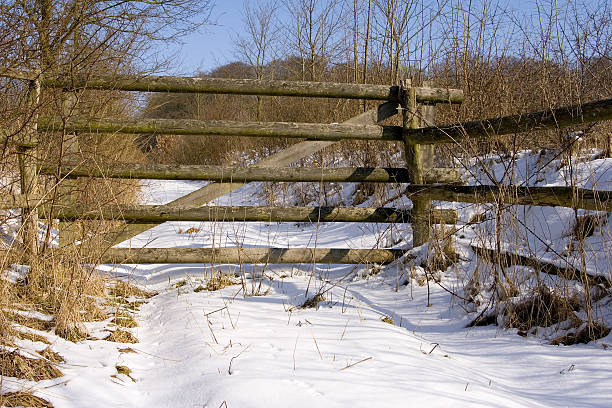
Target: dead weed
[(13, 364)]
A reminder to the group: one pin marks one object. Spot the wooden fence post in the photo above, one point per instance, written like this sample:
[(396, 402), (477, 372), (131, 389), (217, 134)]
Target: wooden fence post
[(68, 230), (28, 158), (419, 158)]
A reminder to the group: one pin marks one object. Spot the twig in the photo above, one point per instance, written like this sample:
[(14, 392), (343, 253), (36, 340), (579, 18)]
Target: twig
[(354, 364), (214, 311), (229, 370), (294, 348), (316, 345)]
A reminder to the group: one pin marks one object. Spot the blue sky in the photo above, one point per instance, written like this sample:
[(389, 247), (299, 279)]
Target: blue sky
[(212, 46)]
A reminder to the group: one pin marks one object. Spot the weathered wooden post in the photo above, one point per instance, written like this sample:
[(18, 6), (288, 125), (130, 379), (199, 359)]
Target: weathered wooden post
[(27, 157), (419, 158), (67, 187)]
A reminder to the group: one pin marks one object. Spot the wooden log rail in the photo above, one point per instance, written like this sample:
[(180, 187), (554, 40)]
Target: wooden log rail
[(547, 119), (539, 196), (555, 118), (567, 271), (13, 201), (247, 174), (248, 256), (161, 213), (238, 86), (313, 131), (558, 196)]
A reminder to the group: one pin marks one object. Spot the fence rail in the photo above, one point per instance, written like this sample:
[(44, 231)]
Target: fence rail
[(249, 255), (237, 86), (161, 213), (241, 174), (556, 196), (313, 131), (555, 118), (547, 119)]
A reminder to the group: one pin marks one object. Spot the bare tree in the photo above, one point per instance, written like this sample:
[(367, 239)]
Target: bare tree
[(257, 44)]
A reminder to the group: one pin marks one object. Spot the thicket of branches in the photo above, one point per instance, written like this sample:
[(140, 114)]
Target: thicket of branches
[(69, 37), (506, 60)]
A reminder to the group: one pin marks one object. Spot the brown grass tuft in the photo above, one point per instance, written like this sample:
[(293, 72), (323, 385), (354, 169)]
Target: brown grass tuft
[(124, 370), (26, 335), (543, 308), (122, 336), (442, 251), (23, 399), (583, 336), (52, 356), (125, 321), (71, 331), (313, 301), (31, 322), (126, 289), (387, 319), (219, 282), (15, 365)]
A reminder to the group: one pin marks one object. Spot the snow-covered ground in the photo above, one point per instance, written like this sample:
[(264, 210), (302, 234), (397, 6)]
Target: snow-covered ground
[(224, 349)]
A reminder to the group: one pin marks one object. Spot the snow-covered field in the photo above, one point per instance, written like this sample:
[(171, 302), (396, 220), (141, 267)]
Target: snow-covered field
[(224, 349)]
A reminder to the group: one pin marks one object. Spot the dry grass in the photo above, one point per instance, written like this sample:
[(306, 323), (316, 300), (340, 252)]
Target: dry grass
[(584, 226), (13, 364), (125, 321), (126, 289), (219, 282), (31, 322), (122, 336), (542, 309), (124, 370), (26, 335), (313, 301), (52, 356), (61, 287), (23, 399), (442, 254), (583, 336), (387, 319)]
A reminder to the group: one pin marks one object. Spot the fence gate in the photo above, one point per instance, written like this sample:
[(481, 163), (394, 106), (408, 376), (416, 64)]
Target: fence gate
[(416, 105)]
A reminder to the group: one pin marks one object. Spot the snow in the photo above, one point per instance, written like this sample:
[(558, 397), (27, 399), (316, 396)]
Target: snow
[(224, 349)]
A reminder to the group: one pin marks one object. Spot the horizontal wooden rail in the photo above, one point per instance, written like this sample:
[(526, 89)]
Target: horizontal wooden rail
[(238, 86), (555, 118), (247, 174), (161, 213), (313, 131), (249, 255), (14, 201), (539, 196), (567, 271), (561, 196), (547, 119)]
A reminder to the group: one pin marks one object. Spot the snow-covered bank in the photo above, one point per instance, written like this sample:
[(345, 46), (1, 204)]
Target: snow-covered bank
[(212, 349)]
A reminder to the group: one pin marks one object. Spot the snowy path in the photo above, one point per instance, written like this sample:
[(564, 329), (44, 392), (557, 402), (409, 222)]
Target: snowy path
[(280, 358)]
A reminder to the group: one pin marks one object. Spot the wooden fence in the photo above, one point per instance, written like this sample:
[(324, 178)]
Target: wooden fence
[(418, 132)]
